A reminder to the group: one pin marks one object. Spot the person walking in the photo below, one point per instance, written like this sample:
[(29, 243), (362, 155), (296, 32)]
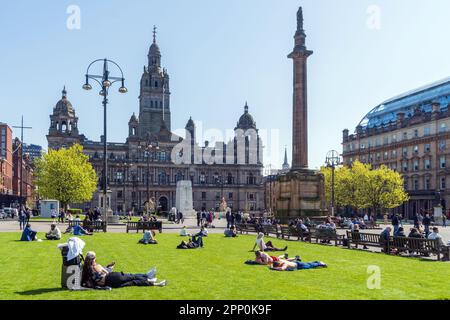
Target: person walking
[(199, 217), (228, 217), (426, 223), (22, 219)]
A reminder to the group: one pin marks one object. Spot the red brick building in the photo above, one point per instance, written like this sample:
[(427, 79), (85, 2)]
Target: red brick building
[(6, 160), (22, 180)]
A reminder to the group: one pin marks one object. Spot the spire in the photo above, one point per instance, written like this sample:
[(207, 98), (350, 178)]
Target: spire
[(64, 93), (286, 157), (154, 34), (246, 107)]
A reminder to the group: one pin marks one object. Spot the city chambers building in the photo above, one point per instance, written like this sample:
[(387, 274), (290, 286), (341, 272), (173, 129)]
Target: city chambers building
[(410, 134), (153, 159)]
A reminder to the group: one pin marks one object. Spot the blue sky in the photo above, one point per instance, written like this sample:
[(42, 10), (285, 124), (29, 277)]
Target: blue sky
[(220, 54)]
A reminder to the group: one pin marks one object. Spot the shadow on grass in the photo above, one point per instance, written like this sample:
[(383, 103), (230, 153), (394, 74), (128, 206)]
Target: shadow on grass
[(39, 291)]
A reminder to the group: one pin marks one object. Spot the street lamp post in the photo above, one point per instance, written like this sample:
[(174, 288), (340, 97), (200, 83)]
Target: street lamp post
[(148, 149), (105, 81), (333, 159)]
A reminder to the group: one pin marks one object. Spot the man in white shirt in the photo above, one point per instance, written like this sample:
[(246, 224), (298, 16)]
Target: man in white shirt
[(435, 235), (54, 233)]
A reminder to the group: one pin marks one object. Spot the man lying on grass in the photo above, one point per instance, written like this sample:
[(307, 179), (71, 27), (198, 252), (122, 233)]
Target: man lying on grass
[(94, 275), (285, 265)]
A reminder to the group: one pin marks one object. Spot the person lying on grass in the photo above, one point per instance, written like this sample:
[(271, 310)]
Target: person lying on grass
[(263, 246), (94, 275), (285, 265), (149, 238), (78, 230), (54, 233), (193, 243), (264, 259)]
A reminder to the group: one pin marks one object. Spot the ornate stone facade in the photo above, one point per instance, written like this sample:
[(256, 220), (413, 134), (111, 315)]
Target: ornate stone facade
[(137, 172)]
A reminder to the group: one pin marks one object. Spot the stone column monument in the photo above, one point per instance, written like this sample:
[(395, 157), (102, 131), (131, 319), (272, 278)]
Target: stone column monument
[(300, 192), (184, 202)]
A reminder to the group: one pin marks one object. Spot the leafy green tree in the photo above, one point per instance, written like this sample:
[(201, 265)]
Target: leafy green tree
[(66, 175), (361, 187)]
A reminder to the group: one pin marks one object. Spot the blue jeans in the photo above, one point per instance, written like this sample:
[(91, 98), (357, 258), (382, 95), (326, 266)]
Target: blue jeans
[(198, 240), (307, 265), (396, 229), (22, 223)]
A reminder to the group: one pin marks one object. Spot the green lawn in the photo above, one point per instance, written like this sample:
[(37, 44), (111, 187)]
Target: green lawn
[(32, 271)]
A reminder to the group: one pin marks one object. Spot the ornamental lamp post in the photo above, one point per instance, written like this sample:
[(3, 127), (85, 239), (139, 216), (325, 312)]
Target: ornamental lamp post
[(153, 146), (333, 159), (105, 82)]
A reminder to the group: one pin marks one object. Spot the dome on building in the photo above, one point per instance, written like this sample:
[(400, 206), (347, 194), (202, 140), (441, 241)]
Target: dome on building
[(64, 106), (246, 120), (154, 50), (410, 103)]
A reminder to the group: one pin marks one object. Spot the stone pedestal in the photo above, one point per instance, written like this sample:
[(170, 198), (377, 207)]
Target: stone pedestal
[(184, 199), (300, 193), (437, 214), (107, 214)]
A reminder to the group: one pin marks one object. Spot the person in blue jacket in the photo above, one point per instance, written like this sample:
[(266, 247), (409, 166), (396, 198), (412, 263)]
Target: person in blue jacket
[(28, 234)]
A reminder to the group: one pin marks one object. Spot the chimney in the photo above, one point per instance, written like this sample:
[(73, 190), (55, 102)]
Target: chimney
[(400, 118), (345, 135)]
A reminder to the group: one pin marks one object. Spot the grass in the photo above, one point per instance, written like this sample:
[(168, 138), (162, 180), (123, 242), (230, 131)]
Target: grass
[(32, 271)]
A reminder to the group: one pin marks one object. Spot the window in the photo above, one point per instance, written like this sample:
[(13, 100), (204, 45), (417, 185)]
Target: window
[(443, 184), (230, 195), (416, 133), (416, 184), (251, 196), (427, 164), (230, 178), (427, 184), (203, 195), (405, 152), (406, 185), (378, 156), (394, 138), (394, 166), (217, 195), (416, 149), (442, 162), (386, 140), (405, 135), (442, 145), (443, 128), (202, 178), (119, 194), (119, 176), (427, 147), (386, 155), (416, 165), (394, 154), (405, 166), (426, 131)]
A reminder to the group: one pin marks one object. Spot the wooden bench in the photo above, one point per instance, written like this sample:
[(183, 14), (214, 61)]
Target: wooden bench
[(270, 229), (90, 226), (366, 239), (326, 235), (141, 225), (421, 246), (248, 227)]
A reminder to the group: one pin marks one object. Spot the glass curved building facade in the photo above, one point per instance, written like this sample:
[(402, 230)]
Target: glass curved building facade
[(409, 133)]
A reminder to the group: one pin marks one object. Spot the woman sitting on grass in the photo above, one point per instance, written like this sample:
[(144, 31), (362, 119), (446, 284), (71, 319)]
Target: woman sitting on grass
[(230, 233), (263, 246), (94, 275), (184, 233), (77, 230), (285, 265), (149, 238)]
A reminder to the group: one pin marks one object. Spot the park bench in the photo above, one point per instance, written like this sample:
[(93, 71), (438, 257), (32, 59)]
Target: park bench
[(326, 235), (288, 232), (366, 239), (91, 226), (141, 225), (421, 246), (270, 229), (247, 227)]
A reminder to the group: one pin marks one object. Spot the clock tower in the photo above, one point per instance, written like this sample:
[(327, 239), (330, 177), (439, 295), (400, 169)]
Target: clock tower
[(154, 99)]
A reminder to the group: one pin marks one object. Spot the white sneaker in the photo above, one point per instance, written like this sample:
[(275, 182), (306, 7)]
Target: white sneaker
[(161, 284), (151, 274), (153, 280)]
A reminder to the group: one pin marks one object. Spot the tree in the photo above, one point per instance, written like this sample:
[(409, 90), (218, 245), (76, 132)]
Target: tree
[(361, 187), (66, 175)]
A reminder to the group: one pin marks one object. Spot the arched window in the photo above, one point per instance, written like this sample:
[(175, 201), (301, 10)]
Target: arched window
[(160, 104), (230, 178), (202, 178), (146, 83), (151, 103), (156, 84), (179, 176), (162, 178), (63, 126)]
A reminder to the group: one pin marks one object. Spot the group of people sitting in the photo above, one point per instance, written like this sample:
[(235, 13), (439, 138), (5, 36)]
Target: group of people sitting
[(195, 241)]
